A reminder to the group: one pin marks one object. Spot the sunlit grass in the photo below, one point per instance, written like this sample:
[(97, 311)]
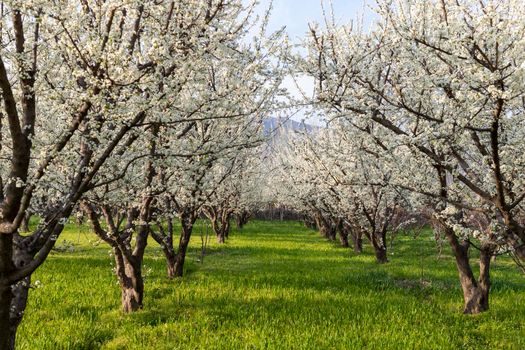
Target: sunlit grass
[(273, 286)]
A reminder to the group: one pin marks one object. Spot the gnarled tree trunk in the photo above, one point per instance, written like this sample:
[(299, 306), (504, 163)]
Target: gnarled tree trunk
[(130, 279), (128, 261), (475, 292)]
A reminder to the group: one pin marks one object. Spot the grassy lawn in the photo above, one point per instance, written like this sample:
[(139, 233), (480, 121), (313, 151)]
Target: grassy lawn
[(273, 286)]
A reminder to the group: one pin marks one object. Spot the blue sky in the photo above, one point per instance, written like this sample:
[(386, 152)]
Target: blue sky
[(296, 14)]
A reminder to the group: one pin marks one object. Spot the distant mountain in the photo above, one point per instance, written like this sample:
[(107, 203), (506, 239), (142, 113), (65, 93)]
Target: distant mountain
[(275, 125)]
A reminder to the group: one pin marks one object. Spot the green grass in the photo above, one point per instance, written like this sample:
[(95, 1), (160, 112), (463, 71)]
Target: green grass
[(272, 286)]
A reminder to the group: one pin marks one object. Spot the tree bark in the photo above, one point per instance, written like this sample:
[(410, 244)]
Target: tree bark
[(25, 222), (165, 239), (357, 238), (131, 282), (309, 222), (475, 293), (226, 225), (220, 222), (170, 264), (381, 256), (13, 298), (187, 228), (343, 234), (326, 227), (7, 335), (378, 240), (242, 219)]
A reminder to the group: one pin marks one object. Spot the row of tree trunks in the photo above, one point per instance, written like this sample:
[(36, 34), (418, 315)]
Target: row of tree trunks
[(309, 222), (331, 228), (327, 227), (242, 218), (220, 221)]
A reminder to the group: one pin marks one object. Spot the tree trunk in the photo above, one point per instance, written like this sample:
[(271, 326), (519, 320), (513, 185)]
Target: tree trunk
[(242, 219), (475, 295), (343, 234), (357, 238), (13, 301), (131, 282), (7, 334), (13, 298), (170, 264), (221, 238), (344, 240), (378, 240), (226, 226), (320, 225), (309, 222), (331, 232), (187, 227), (381, 256), (165, 239)]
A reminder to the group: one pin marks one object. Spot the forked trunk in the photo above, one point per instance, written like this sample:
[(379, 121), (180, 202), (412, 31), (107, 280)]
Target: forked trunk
[(220, 223), (165, 239), (475, 293)]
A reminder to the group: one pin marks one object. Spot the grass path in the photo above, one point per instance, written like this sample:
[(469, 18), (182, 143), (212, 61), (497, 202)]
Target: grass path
[(272, 286)]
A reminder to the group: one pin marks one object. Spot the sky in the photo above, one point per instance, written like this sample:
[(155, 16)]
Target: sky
[(295, 15)]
